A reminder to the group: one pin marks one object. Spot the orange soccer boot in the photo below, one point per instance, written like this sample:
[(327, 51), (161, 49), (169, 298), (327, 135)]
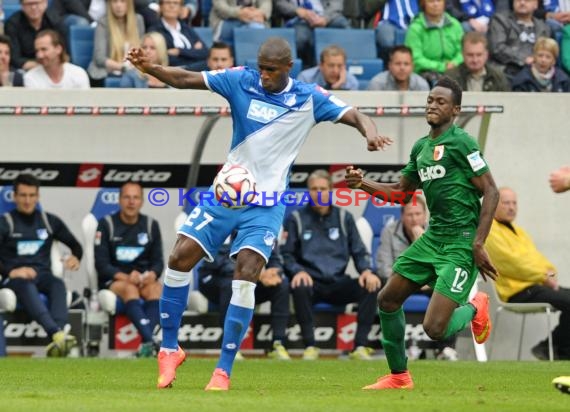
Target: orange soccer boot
[(167, 364), (481, 323)]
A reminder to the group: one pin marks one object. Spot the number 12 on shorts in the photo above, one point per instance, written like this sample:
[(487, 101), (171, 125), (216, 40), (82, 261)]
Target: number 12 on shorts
[(461, 277), (195, 214)]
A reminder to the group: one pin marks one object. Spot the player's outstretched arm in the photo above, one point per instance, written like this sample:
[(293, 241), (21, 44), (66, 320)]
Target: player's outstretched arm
[(486, 185), (367, 128), (405, 188), (173, 76)]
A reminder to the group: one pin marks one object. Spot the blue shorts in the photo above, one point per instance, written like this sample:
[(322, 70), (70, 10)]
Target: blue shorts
[(257, 228)]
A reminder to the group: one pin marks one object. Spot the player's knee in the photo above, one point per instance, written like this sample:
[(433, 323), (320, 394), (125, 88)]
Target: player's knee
[(434, 331), (386, 303)]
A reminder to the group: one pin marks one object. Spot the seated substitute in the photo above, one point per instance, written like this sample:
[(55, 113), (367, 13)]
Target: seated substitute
[(129, 261), (216, 284), (396, 237), (26, 237), (525, 274), (321, 238)]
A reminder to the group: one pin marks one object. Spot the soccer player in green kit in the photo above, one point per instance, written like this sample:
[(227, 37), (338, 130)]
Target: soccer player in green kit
[(448, 166)]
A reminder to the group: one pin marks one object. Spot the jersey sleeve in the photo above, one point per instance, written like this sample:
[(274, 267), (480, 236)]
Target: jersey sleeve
[(223, 81), (327, 107), (470, 158), (410, 171)]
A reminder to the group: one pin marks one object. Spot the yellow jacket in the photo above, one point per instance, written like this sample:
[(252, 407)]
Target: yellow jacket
[(519, 263)]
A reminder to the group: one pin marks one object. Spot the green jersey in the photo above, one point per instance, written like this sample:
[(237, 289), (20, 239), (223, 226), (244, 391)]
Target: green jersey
[(443, 167)]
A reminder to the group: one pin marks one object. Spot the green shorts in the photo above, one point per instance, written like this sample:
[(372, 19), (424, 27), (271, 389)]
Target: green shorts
[(447, 267)]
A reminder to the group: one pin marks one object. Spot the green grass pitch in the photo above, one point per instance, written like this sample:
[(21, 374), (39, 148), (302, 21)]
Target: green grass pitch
[(262, 385)]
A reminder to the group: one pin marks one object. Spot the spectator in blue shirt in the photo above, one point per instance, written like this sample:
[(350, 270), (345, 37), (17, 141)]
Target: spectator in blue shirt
[(331, 73)]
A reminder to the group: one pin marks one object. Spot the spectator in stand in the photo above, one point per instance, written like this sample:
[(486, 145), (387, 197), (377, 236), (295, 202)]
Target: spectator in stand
[(23, 27), (8, 77), (116, 32), (321, 239), (542, 75), (556, 13), (400, 74), (474, 15), (396, 18), (184, 46), (54, 71), (79, 12), (306, 15), (229, 14), (512, 35), (435, 39), (331, 73), (155, 47), (475, 74), (565, 46), (220, 56)]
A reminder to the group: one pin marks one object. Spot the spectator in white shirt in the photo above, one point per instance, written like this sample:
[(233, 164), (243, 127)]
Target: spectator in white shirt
[(54, 71)]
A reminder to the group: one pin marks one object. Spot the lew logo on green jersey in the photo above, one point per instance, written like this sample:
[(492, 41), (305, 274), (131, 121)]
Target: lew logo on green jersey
[(431, 173)]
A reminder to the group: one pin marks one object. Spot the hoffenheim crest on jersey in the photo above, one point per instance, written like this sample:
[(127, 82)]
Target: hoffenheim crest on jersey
[(142, 238), (307, 235), (42, 234), (438, 152), (269, 238), (289, 99), (334, 233)]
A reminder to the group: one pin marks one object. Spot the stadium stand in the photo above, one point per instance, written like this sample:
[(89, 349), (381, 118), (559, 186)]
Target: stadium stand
[(206, 34), (81, 40)]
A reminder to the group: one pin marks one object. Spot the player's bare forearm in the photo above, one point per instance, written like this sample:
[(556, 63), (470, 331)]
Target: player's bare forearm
[(486, 184), (381, 190), (177, 77), (359, 121)]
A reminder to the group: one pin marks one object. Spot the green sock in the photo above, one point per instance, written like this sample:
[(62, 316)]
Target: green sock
[(460, 319), (393, 339)]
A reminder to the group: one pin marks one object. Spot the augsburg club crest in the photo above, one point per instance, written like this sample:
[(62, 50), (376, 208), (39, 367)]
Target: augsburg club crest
[(438, 152)]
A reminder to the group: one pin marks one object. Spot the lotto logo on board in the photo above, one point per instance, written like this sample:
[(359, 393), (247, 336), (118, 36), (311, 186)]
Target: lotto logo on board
[(89, 175)]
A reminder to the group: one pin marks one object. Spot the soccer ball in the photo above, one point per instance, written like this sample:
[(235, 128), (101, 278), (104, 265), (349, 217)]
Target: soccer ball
[(234, 186)]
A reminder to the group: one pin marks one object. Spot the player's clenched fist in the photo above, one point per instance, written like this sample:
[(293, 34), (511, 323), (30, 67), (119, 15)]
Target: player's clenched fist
[(353, 177)]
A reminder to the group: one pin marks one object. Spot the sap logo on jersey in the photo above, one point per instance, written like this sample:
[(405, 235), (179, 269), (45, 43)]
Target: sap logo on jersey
[(264, 112), (29, 247), (128, 253), (431, 173)]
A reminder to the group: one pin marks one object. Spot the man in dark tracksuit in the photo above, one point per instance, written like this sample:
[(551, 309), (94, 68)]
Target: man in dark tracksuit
[(321, 238), (215, 282), (26, 238), (129, 261)]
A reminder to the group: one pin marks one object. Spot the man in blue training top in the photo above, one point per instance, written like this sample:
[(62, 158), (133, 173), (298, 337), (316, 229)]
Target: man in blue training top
[(272, 115)]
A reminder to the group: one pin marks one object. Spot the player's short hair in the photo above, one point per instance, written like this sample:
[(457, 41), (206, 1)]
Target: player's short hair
[(56, 40), (548, 44), (332, 50), (320, 174), (26, 179), (474, 37), (130, 182), (399, 49), (456, 92), (277, 49), (220, 45)]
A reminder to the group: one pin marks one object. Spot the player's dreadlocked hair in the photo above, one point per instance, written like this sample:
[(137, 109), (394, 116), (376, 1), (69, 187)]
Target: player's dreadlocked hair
[(452, 85)]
